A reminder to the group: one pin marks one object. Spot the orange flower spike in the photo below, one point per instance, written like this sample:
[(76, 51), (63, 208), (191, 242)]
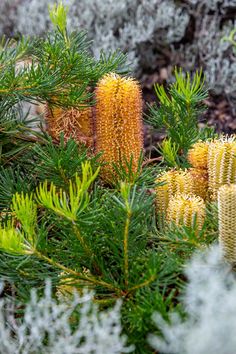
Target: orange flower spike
[(200, 182), (72, 122), (197, 155), (119, 129)]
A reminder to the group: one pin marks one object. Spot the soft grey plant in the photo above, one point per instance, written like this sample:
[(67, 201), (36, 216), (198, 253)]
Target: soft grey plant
[(215, 54), (147, 30), (126, 25), (48, 327), (210, 302), (213, 4), (8, 10)]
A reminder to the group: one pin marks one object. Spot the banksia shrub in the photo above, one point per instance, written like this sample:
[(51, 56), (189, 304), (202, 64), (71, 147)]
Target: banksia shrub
[(227, 220), (200, 182), (221, 164), (173, 182), (186, 209), (118, 123), (71, 122), (197, 155)]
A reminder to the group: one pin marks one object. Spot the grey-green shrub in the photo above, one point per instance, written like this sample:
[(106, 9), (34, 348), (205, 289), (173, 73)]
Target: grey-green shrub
[(128, 25), (46, 327), (210, 303)]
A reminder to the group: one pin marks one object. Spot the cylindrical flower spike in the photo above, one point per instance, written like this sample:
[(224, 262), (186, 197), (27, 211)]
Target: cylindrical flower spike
[(221, 164), (197, 155), (188, 210), (72, 122), (227, 221), (119, 129), (174, 181), (200, 182)]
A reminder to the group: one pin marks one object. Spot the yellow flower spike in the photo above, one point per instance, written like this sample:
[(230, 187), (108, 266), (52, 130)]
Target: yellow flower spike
[(174, 181), (119, 130), (72, 122), (221, 164), (197, 155), (186, 209), (200, 182), (227, 220)]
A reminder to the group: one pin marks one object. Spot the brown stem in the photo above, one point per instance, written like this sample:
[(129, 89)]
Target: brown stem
[(81, 276), (141, 285), (147, 162)]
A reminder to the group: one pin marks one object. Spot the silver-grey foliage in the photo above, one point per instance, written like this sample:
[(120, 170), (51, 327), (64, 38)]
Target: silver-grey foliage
[(124, 25), (210, 302), (48, 327), (147, 30), (208, 48), (8, 9)]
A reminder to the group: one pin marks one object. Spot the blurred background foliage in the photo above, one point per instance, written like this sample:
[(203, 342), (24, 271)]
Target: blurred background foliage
[(154, 33), (157, 35)]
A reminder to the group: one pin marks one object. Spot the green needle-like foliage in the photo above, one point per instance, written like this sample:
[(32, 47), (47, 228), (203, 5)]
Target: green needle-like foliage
[(15, 133), (60, 163), (11, 240), (104, 239), (170, 151), (58, 219), (58, 16), (25, 210), (13, 180), (76, 202), (178, 112), (58, 69)]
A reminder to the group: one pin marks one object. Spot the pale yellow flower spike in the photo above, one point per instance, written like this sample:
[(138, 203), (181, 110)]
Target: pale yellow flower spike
[(176, 181), (185, 209), (119, 129), (227, 221), (221, 164)]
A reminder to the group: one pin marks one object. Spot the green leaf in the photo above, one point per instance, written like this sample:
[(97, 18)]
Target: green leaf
[(68, 205), (25, 210), (12, 240), (170, 151), (58, 16), (178, 110)]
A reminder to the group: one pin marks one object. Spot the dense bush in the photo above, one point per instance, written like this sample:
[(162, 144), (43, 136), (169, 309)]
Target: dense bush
[(81, 204)]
